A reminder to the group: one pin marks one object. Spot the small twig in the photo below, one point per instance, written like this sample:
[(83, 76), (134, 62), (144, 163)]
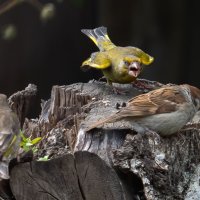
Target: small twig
[(9, 4), (35, 3)]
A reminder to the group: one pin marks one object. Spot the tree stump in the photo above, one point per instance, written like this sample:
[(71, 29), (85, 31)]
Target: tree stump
[(112, 162)]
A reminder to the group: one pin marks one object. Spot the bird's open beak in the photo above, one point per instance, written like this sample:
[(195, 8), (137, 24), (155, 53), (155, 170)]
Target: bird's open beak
[(134, 69)]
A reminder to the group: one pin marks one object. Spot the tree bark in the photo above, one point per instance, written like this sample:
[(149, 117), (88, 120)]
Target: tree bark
[(112, 162)]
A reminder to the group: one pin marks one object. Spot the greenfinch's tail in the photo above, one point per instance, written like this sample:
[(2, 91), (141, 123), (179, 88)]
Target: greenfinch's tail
[(100, 37)]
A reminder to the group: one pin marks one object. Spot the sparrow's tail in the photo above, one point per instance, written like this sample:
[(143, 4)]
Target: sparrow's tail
[(100, 37), (110, 119)]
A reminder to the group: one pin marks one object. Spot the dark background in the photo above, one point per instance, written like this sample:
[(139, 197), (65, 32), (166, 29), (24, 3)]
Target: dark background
[(51, 53)]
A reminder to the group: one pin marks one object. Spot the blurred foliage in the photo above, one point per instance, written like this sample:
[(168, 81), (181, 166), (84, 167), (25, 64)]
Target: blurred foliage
[(59, 1), (77, 3), (9, 32), (47, 12)]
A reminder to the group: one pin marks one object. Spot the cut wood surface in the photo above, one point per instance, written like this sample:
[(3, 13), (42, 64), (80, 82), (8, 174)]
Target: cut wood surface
[(109, 163), (82, 176)]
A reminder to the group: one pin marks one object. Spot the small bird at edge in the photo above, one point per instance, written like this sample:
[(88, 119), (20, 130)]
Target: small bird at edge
[(164, 111)]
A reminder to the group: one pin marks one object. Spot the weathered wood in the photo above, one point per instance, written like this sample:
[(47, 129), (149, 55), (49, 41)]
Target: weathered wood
[(21, 102), (67, 108), (113, 160), (98, 180), (84, 176), (5, 192), (165, 166)]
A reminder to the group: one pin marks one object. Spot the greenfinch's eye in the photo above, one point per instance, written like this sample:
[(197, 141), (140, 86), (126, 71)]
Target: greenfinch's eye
[(126, 63)]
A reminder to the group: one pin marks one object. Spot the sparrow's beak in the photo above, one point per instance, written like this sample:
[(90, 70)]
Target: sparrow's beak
[(134, 69)]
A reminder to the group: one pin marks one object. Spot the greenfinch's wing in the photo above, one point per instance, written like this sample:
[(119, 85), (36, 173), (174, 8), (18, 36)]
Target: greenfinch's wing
[(98, 60), (144, 57)]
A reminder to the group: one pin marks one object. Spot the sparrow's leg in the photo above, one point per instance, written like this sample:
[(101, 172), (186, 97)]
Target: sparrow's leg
[(154, 136), (147, 133)]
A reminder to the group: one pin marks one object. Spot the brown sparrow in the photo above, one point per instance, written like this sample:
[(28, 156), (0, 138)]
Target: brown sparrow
[(165, 110)]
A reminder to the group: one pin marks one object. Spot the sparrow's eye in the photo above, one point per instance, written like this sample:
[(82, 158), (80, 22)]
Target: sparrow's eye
[(196, 103)]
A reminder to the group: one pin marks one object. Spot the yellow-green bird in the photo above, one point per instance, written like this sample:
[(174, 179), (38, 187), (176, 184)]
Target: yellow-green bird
[(9, 136), (118, 64)]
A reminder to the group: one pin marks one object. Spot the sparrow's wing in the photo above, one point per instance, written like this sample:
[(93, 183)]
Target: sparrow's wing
[(163, 100)]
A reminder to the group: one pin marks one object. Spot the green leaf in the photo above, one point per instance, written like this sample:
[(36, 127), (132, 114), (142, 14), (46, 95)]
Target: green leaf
[(34, 149), (21, 143), (28, 144), (45, 158), (26, 149), (36, 140), (23, 137)]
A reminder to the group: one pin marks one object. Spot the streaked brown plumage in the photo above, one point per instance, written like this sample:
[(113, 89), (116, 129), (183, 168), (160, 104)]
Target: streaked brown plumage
[(165, 110), (9, 136)]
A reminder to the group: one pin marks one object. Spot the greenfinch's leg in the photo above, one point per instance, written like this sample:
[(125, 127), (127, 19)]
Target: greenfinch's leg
[(102, 78), (115, 89)]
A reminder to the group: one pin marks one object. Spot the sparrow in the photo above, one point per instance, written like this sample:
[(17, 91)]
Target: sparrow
[(164, 111), (9, 136), (118, 64)]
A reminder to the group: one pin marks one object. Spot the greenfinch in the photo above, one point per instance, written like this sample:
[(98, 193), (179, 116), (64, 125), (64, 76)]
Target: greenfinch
[(118, 64), (9, 136)]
